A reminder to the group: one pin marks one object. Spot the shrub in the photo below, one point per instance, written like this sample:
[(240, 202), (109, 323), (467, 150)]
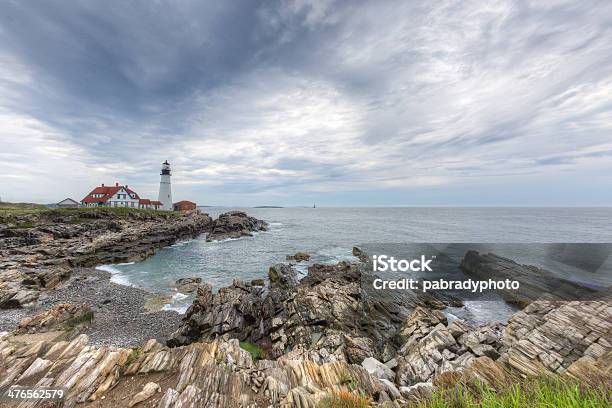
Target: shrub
[(345, 399), (24, 225), (133, 356), (346, 379), (255, 351)]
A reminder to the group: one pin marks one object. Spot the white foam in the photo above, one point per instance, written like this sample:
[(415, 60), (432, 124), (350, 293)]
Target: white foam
[(176, 308), (219, 241), (179, 296), (108, 268), (116, 275), (177, 303), (180, 243)]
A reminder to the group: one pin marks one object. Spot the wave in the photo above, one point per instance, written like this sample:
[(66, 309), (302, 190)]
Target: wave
[(180, 243), (179, 296), (178, 303), (117, 275), (175, 308), (108, 268)]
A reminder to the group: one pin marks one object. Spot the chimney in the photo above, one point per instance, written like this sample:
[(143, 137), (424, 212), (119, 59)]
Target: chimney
[(116, 184), (126, 186), (102, 184)]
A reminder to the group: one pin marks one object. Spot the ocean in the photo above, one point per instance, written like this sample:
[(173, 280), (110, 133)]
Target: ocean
[(329, 235)]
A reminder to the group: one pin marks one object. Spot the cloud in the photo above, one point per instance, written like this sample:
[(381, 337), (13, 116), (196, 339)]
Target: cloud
[(293, 101)]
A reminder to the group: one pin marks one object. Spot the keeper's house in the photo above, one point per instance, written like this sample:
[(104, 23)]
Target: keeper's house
[(117, 196)]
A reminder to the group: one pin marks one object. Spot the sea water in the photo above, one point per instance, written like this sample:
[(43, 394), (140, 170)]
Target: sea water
[(329, 234)]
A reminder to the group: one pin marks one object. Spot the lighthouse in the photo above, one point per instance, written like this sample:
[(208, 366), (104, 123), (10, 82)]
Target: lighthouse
[(165, 188)]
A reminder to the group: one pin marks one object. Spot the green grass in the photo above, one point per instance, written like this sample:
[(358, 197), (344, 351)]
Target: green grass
[(133, 356), (27, 215), (255, 351), (24, 225), (346, 379), (544, 392), (20, 209)]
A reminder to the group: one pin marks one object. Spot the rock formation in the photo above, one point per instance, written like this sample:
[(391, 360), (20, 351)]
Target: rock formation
[(188, 285), (40, 257), (328, 314), (322, 333), (214, 374), (219, 373), (299, 257), (534, 281), (235, 224), (63, 316)]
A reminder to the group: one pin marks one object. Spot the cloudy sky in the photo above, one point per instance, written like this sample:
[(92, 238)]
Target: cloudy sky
[(295, 102)]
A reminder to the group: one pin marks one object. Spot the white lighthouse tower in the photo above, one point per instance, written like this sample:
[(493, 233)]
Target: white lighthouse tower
[(165, 188)]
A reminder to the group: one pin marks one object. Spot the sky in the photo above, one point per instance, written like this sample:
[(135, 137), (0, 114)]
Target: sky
[(364, 103)]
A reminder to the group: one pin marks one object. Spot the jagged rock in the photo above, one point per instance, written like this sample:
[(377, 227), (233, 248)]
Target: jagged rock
[(419, 391), (594, 370), (169, 399), (147, 392), (20, 287), (282, 276), (233, 310), (459, 327), (484, 350), (421, 322), (534, 281), (432, 348), (220, 373), (64, 315), (391, 364), (483, 370), (327, 315), (235, 224), (550, 335), (299, 257), (391, 389), (187, 285), (378, 369), (360, 254), (39, 258)]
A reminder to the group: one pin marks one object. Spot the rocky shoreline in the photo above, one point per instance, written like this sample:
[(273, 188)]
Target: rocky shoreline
[(315, 337), (51, 262), (122, 314), (290, 343)]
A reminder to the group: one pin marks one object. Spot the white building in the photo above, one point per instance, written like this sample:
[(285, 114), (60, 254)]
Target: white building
[(67, 203), (117, 196), (165, 187)]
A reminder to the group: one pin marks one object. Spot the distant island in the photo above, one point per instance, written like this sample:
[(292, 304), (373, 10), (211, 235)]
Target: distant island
[(268, 206)]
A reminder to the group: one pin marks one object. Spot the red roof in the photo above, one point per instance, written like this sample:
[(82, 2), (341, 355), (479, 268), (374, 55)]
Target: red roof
[(144, 201), (156, 203), (108, 193)]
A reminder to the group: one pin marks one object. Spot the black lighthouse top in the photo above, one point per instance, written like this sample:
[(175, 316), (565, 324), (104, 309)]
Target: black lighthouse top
[(165, 170)]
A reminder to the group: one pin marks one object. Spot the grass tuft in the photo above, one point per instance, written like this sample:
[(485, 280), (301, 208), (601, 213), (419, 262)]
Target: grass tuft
[(133, 356), (255, 351), (345, 399), (26, 215), (543, 392)]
